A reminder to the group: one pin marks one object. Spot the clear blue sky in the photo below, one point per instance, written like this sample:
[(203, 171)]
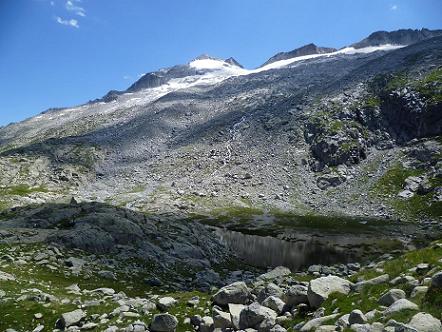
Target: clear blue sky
[(65, 52)]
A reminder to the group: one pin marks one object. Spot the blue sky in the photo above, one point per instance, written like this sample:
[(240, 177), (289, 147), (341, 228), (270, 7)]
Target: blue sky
[(65, 52)]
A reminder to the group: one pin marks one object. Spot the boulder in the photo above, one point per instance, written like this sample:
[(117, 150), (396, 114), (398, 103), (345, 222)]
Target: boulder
[(295, 295), (361, 327), (424, 322), (343, 320), (107, 275), (165, 303), (163, 323), (6, 276), (371, 282), (357, 317), (278, 328), (257, 317), (316, 322), (418, 291), (391, 296), (436, 280), (395, 326), (326, 328), (221, 320), (399, 305), (237, 292), (235, 311), (277, 273), (274, 303), (319, 289), (270, 290), (70, 318), (206, 324)]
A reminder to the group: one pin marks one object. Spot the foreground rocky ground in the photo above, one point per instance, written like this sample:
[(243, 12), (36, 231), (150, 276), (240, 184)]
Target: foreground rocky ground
[(47, 287)]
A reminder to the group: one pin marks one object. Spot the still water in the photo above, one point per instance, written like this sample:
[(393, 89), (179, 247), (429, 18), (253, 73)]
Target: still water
[(265, 251)]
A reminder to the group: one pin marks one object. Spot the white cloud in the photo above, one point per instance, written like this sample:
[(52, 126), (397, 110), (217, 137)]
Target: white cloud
[(72, 22), (127, 77), (72, 7), (394, 7), (52, 3)]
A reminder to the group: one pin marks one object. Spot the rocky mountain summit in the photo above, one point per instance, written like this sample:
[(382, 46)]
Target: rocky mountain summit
[(399, 37), (160, 207), (308, 49)]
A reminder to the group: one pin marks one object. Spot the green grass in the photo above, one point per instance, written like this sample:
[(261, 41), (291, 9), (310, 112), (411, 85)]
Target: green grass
[(431, 86), (21, 190), (366, 299), (418, 206), (19, 315), (371, 101)]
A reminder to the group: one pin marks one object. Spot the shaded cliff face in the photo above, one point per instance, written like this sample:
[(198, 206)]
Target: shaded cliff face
[(320, 134)]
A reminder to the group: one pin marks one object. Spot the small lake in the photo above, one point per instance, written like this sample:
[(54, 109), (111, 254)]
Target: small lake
[(297, 246)]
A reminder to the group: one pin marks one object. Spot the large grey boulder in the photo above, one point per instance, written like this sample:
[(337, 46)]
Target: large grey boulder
[(436, 280), (418, 291), (395, 326), (165, 303), (371, 282), (295, 295), (257, 317), (399, 305), (343, 321), (235, 311), (238, 292), (357, 317), (70, 318), (221, 320), (274, 303), (424, 322), (319, 289), (277, 273), (163, 323), (316, 322), (361, 328), (270, 289), (391, 296)]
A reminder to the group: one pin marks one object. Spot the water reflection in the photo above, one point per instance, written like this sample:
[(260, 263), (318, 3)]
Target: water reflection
[(264, 251)]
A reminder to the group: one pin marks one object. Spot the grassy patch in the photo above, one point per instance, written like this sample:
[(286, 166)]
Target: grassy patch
[(392, 182), (366, 299), (21, 190), (431, 86)]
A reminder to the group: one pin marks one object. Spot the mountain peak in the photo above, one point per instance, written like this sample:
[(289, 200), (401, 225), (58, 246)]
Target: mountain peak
[(301, 51), (397, 37), (232, 61), (205, 56)]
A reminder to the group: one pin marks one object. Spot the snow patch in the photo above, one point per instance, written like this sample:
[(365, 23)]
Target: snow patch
[(347, 50)]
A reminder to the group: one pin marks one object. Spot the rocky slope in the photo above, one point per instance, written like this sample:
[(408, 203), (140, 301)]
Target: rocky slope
[(325, 134), (70, 290)]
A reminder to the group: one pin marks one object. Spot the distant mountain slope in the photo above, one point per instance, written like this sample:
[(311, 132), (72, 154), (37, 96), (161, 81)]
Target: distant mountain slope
[(310, 134)]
